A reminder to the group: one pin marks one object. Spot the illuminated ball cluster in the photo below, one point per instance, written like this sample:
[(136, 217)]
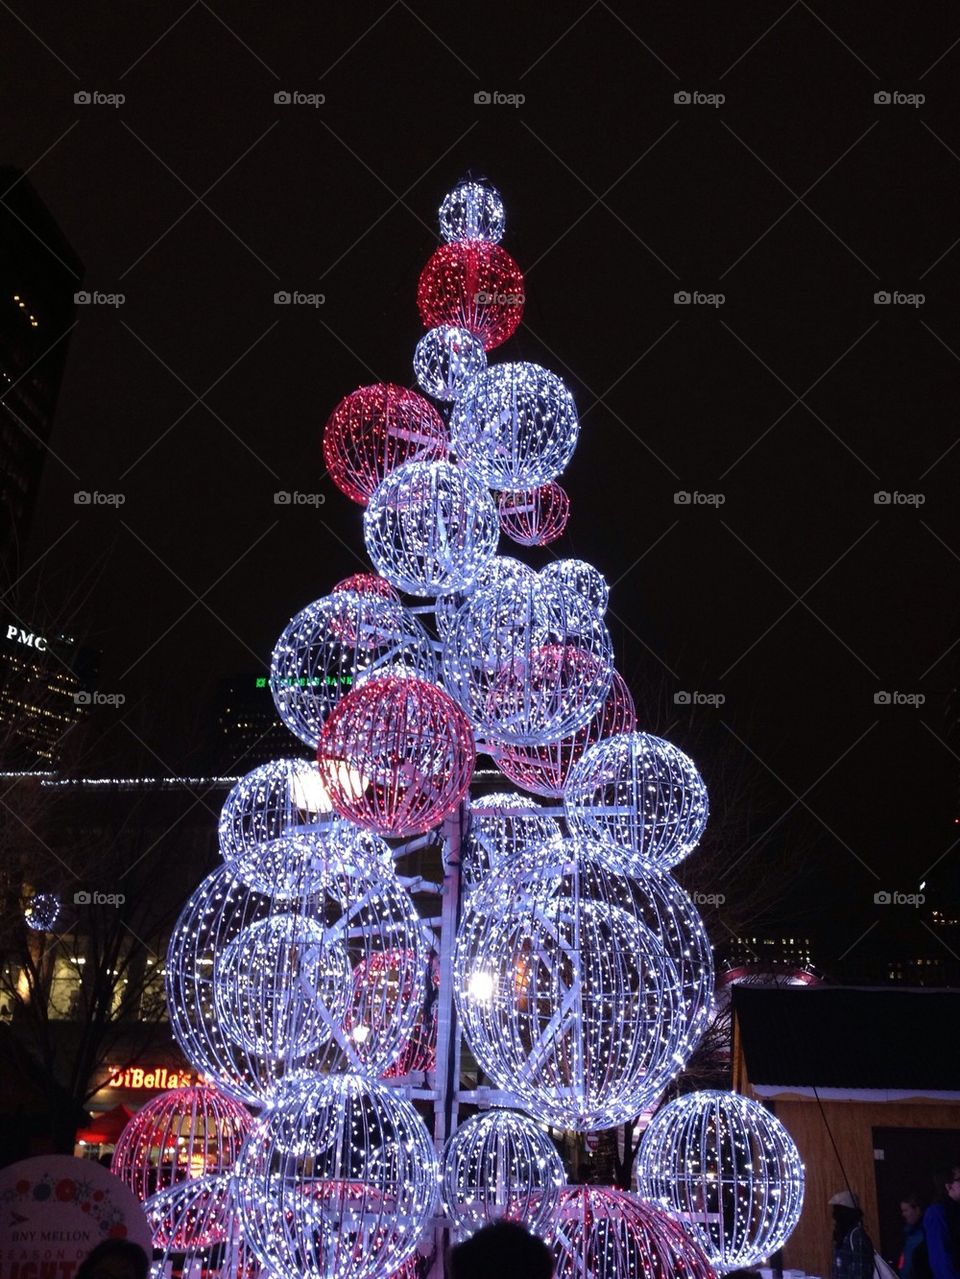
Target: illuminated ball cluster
[(500, 1166), (430, 528), (42, 912), (472, 285), (213, 999), (375, 429), (472, 211), (446, 359), (545, 769), (640, 792), (534, 517), (331, 642), (729, 1170), (396, 755), (581, 988), (502, 825), (180, 1135), (338, 1178), (610, 1234), (515, 426), (527, 663)]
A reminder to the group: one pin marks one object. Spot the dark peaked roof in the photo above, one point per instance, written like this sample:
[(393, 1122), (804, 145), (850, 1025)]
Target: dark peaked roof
[(838, 1037)]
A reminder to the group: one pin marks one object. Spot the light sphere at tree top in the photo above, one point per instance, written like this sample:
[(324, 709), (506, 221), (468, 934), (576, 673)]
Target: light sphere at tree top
[(472, 211)]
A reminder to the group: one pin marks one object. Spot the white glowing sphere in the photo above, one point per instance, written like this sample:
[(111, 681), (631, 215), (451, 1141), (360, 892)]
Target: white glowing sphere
[(502, 825), (640, 792), (446, 359), (282, 797), (430, 528), (338, 1180), (501, 1166), (729, 1170), (296, 864), (515, 426), (329, 643), (472, 211), (579, 578), (582, 989), (500, 569)]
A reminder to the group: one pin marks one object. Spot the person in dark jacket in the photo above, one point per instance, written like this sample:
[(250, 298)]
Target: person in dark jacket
[(913, 1257), (502, 1251), (852, 1246), (941, 1226)]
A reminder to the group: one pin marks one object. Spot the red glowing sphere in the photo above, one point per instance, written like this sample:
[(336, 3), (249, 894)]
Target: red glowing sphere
[(375, 429), (384, 983), (367, 584), (534, 517), (545, 769), (474, 285), (396, 755)]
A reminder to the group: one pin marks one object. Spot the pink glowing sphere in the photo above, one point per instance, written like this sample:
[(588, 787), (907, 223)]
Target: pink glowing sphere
[(534, 517), (367, 584)]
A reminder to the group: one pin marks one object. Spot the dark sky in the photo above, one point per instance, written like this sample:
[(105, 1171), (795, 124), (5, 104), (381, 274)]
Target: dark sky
[(797, 399)]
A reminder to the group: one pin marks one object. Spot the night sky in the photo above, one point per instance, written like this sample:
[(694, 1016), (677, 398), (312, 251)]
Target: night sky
[(797, 198)]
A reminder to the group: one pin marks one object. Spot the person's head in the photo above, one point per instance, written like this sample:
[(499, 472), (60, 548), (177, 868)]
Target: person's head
[(948, 1182), (505, 1251), (845, 1207), (114, 1259), (911, 1209)]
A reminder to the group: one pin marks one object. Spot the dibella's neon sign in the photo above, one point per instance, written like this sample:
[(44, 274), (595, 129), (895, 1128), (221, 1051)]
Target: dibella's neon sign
[(136, 1077), (28, 638)]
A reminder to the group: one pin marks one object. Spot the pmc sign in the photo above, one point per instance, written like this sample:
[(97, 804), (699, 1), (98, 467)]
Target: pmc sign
[(27, 638)]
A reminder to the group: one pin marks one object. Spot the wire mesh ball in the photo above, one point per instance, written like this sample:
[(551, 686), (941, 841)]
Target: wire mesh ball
[(544, 770), (585, 581), (473, 285), (610, 1234), (528, 664), (446, 359), (581, 988), (641, 792), (515, 426), (536, 516), (329, 643), (361, 915), (500, 568), (729, 1170), (192, 1216), (375, 429), (282, 797), (500, 1166), (295, 864), (337, 1181), (367, 584), (502, 825), (472, 211), (177, 1136), (410, 745), (382, 985), (430, 528), (42, 912)]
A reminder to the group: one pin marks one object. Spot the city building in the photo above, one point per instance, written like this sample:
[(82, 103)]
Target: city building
[(39, 276), (247, 730), (769, 953)]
